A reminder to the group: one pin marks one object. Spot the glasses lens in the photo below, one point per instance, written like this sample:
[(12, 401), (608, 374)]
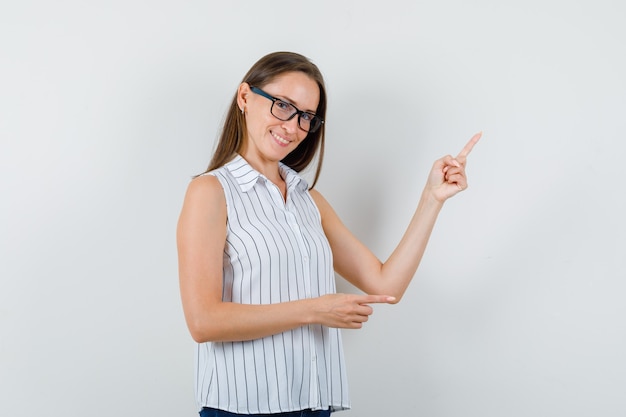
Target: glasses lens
[(309, 122), (283, 110)]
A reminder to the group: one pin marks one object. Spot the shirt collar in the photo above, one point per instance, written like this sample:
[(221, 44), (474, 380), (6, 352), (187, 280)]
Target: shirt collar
[(247, 177)]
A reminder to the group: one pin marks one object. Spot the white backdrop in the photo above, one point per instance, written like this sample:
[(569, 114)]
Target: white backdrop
[(108, 108)]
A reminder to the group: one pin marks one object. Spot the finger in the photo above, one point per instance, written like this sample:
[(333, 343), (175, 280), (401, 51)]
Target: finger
[(452, 170), (448, 161), (368, 299), (364, 310), (459, 180), (470, 145)]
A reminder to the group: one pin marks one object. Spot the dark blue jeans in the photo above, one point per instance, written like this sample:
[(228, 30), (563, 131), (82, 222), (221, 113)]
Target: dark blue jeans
[(212, 412)]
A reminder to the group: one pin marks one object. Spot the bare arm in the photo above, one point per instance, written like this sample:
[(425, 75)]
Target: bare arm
[(201, 236), (361, 267)]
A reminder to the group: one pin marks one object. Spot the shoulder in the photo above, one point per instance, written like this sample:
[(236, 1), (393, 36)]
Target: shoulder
[(317, 196), (205, 187), (202, 223), (205, 196), (322, 204)]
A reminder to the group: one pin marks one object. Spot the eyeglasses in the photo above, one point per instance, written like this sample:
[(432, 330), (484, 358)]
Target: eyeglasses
[(284, 111)]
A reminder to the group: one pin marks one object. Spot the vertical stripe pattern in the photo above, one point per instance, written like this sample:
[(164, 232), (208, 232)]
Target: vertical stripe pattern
[(275, 251)]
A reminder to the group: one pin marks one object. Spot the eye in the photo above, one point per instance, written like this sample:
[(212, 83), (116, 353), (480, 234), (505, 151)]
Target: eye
[(283, 105), (307, 116)]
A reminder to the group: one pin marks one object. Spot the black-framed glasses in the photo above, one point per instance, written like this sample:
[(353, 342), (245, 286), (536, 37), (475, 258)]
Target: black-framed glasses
[(309, 122)]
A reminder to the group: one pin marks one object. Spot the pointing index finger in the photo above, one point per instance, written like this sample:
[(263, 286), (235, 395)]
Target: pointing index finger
[(470, 145), (370, 299)]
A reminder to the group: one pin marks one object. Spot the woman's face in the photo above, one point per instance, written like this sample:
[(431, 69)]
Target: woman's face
[(269, 138)]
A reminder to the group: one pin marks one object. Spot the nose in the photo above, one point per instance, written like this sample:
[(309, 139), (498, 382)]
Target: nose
[(291, 125)]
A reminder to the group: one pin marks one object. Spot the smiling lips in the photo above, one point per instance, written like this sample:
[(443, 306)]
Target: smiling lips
[(280, 140)]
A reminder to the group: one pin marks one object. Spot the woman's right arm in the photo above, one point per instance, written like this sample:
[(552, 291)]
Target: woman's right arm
[(201, 236)]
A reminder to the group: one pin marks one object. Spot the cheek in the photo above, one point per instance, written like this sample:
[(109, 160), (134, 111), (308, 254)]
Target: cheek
[(256, 123)]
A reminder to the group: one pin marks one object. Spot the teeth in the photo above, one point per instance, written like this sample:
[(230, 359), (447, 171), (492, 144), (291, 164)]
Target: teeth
[(281, 140)]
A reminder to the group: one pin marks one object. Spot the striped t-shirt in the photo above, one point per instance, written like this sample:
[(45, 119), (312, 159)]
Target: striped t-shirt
[(275, 251)]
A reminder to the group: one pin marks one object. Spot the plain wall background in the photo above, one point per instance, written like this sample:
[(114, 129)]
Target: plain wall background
[(108, 108)]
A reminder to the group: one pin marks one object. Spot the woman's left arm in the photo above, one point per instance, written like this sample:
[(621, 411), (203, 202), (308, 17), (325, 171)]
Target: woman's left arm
[(357, 264)]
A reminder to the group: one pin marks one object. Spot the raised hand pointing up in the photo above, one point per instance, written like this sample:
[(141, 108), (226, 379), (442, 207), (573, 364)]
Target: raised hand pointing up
[(447, 176)]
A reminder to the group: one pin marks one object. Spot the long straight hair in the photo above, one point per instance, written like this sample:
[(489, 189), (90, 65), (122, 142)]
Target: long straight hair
[(263, 72)]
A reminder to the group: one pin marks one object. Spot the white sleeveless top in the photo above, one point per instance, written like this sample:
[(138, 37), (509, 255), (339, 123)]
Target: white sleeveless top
[(275, 251)]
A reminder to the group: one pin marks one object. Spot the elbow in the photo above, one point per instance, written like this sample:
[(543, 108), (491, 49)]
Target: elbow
[(200, 333), (397, 297), (199, 337), (207, 324)]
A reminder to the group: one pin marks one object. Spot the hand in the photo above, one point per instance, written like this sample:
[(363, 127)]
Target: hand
[(447, 176), (347, 311)]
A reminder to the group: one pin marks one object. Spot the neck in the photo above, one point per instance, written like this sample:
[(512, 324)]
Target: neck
[(269, 169)]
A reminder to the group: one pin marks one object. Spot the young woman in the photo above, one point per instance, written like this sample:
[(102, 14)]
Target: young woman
[(258, 248)]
